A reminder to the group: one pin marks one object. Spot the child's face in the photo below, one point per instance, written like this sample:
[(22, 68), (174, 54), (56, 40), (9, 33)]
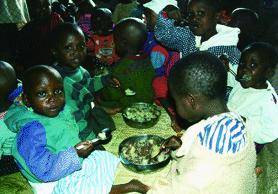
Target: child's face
[(251, 71), (71, 50), (46, 96), (102, 25), (201, 18), (39, 9)]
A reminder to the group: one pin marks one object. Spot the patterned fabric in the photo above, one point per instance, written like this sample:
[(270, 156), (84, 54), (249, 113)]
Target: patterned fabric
[(14, 11), (96, 175), (183, 40), (16, 93), (135, 73), (79, 88), (84, 23), (44, 146), (225, 135), (103, 48), (260, 107)]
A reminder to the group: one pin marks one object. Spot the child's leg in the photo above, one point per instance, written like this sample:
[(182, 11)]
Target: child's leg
[(96, 176)]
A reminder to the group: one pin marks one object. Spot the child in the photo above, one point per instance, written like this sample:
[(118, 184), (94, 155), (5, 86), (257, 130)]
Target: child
[(219, 145), (123, 10), (84, 15), (101, 43), (134, 70), (69, 51), (162, 59), (33, 47), (253, 97), (10, 92), (202, 33), (65, 9), (47, 141), (247, 21)]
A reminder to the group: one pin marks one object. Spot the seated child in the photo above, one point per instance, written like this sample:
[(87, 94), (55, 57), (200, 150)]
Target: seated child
[(253, 97), (47, 140), (10, 92), (162, 59), (69, 51), (218, 145), (123, 10), (247, 21), (84, 15), (33, 47), (134, 70), (101, 43), (202, 33)]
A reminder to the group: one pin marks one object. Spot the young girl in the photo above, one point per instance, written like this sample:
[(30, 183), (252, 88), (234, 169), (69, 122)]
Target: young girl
[(253, 97), (69, 51), (101, 43), (218, 145), (202, 33), (10, 91), (47, 141)]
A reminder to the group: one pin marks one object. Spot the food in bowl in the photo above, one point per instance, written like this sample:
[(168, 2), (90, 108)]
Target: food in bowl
[(142, 112), (142, 152)]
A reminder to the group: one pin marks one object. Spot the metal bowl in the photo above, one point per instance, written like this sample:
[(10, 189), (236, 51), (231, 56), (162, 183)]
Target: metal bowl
[(139, 121), (141, 168)]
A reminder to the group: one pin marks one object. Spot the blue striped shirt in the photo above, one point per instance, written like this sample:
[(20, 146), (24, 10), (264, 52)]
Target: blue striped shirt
[(224, 135)]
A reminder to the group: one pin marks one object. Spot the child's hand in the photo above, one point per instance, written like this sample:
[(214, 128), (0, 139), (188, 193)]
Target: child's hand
[(172, 143), (175, 126), (137, 186), (114, 82), (173, 13), (86, 150)]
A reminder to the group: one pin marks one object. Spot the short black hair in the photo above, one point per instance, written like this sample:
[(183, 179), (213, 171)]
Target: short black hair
[(34, 73), (133, 31), (266, 51), (61, 31), (199, 73), (215, 5)]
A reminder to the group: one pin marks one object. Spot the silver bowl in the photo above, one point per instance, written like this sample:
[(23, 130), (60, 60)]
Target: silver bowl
[(142, 168), (141, 123)]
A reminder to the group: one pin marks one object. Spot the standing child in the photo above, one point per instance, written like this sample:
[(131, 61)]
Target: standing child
[(47, 141), (101, 43), (10, 91), (254, 97), (69, 51), (218, 145), (202, 33), (134, 69)]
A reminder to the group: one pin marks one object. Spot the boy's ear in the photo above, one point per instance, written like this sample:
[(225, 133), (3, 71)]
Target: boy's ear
[(191, 101), (217, 16), (269, 73), (53, 52)]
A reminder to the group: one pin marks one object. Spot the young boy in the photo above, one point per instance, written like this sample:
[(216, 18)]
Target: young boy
[(101, 43), (253, 97), (10, 91), (202, 33), (218, 145), (134, 69), (69, 51), (47, 141)]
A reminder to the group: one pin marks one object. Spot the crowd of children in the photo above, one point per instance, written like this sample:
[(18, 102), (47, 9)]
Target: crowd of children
[(81, 63)]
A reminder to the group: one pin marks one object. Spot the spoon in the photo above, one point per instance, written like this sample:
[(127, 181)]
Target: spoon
[(127, 92), (102, 136)]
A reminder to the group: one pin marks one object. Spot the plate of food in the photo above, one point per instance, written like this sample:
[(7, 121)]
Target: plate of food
[(137, 153), (141, 115)]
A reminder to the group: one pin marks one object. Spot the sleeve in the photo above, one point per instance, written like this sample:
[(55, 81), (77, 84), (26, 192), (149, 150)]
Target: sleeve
[(44, 164), (174, 37), (158, 57), (160, 87), (98, 82)]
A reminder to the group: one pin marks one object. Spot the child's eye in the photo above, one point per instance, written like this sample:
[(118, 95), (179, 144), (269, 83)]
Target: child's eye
[(200, 14), (252, 65), (68, 48), (59, 91), (41, 94)]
